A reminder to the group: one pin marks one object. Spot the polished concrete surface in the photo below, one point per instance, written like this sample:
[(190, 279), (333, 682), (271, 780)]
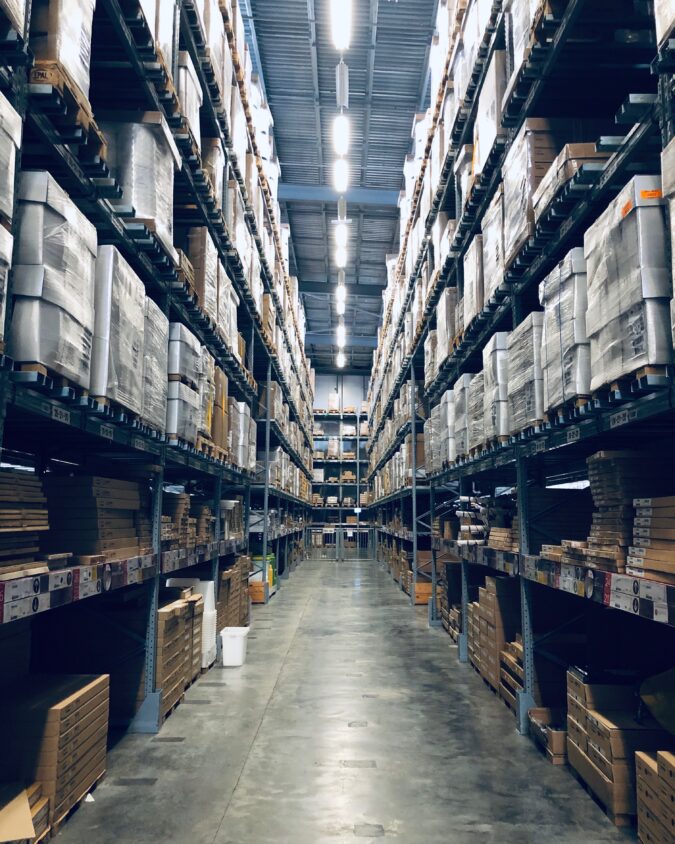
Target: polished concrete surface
[(351, 721)]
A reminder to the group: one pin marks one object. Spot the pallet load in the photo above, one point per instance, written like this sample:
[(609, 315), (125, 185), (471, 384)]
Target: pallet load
[(473, 636), (142, 156), (448, 451), (207, 396), (196, 618), (53, 282), (461, 401), (190, 96), (174, 654), (629, 285), (176, 505), (474, 413), (205, 521), (10, 141), (668, 181), (220, 426), (547, 728), (655, 772), (473, 281), (445, 324), (665, 20), (472, 528), (58, 737), (119, 326), (495, 388), (525, 374), (184, 371), (565, 346), (499, 620), (93, 516), (23, 519), (492, 231), (205, 588), (155, 363), (652, 553), (430, 363), (568, 163), (203, 256), (603, 735)]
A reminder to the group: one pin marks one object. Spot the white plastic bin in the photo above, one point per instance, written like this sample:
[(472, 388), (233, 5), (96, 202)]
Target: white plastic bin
[(233, 641)]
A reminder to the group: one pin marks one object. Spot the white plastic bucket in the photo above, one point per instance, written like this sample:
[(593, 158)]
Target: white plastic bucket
[(233, 641)]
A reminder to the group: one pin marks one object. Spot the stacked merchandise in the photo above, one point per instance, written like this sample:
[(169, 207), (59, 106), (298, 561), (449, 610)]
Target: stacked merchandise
[(220, 428), (232, 518), (206, 589), (472, 527), (547, 727), (565, 347), (58, 736), (525, 375), (499, 613), (668, 179), (445, 324), (184, 370), (629, 285), (655, 796), (205, 523), (652, 553), (603, 735), (23, 517), (176, 505), (155, 366), (119, 326), (473, 635), (665, 20), (174, 653), (475, 413), (207, 395), (143, 522), (94, 516), (430, 362), (495, 388), (203, 256), (461, 401), (492, 229), (232, 603), (53, 281), (447, 429), (568, 163), (242, 435), (195, 603), (473, 281), (190, 95), (169, 534), (549, 680)]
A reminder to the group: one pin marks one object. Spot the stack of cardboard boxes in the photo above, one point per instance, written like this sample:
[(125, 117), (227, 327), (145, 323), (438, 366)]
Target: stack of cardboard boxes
[(176, 505), (499, 622), (174, 653), (655, 796), (653, 548)]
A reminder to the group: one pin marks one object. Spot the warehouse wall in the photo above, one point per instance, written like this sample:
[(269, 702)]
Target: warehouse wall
[(353, 389)]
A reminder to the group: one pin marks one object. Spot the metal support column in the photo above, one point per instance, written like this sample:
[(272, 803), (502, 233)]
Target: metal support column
[(525, 699), (434, 620), (464, 635), (413, 431), (266, 499), (146, 719)]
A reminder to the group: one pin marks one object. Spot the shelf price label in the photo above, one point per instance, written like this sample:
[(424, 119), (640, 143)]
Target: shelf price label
[(107, 432), (139, 444), (60, 414), (623, 417), (573, 434)]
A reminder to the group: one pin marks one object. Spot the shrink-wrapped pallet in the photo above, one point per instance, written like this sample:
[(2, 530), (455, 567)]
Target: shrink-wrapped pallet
[(185, 353), (629, 284), (447, 428), (565, 348), (216, 41), (445, 324), (182, 412), (521, 14), (664, 11), (15, 11), (473, 280), (119, 326), (525, 374), (496, 386), (568, 162), (155, 362), (142, 156), (10, 141), (60, 31), (461, 401), (475, 412), (207, 393), (165, 24), (6, 247), (190, 94), (203, 256), (430, 368), (213, 159), (228, 302), (492, 228), (668, 183), (53, 280), (488, 125)]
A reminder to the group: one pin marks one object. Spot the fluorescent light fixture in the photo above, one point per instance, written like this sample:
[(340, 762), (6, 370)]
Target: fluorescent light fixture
[(340, 307), (341, 235), (341, 134), (341, 292), (342, 278), (341, 335), (341, 23), (340, 175), (342, 85), (341, 257), (340, 360), (342, 209)]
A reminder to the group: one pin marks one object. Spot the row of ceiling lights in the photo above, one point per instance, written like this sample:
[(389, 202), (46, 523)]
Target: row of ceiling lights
[(341, 26)]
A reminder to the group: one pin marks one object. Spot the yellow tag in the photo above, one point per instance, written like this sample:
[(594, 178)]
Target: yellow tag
[(650, 194), (627, 208)]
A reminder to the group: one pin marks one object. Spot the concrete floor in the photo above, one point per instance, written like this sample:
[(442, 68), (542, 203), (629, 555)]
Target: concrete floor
[(351, 721)]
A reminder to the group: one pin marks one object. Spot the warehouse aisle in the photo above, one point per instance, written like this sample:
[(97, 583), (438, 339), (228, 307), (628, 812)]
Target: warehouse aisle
[(349, 723)]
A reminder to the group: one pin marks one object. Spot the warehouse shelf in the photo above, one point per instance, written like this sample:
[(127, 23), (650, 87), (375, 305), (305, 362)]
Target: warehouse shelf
[(282, 494), (336, 483), (184, 558), (338, 416), (281, 438), (338, 460), (403, 492), (401, 434), (280, 533), (405, 535)]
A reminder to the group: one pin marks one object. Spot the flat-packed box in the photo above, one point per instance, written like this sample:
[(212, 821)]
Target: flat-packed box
[(569, 161), (54, 270), (629, 284), (119, 328), (492, 230), (525, 374), (203, 256), (602, 696), (473, 280), (618, 798), (60, 32)]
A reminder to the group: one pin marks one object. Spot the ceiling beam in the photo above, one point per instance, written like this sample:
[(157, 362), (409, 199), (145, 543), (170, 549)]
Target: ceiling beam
[(372, 290), (353, 341), (325, 193)]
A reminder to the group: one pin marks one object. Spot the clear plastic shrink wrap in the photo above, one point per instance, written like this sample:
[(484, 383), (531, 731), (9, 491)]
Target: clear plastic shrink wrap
[(430, 357), (119, 325), (568, 162), (526, 378), (445, 323), (142, 156), (185, 354), (492, 227), (668, 180), (214, 27), (664, 10), (60, 31), (10, 141), (6, 247), (203, 256), (629, 284), (435, 450), (53, 280), (565, 348), (474, 411), (155, 366), (461, 394), (16, 14), (473, 280), (164, 31), (521, 17), (447, 428), (496, 386), (213, 159), (487, 127), (207, 393), (182, 412), (189, 94)]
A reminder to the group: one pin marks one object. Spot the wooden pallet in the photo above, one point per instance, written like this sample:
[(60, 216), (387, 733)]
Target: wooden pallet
[(171, 709), (183, 380), (58, 823), (58, 381), (568, 411)]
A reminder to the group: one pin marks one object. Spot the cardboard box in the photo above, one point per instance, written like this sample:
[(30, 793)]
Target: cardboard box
[(618, 798)]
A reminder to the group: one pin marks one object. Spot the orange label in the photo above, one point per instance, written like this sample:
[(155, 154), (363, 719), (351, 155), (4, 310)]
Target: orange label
[(627, 208), (650, 194)]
